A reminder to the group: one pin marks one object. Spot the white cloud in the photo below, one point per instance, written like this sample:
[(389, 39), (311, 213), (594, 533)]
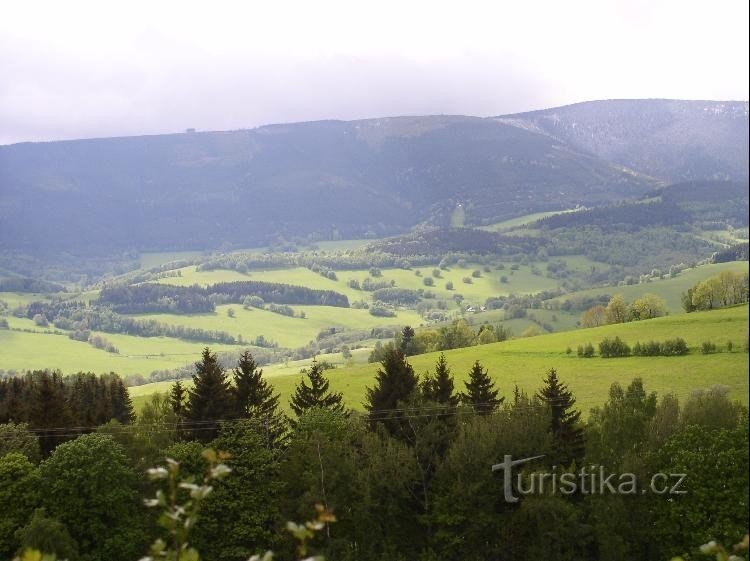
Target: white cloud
[(84, 68)]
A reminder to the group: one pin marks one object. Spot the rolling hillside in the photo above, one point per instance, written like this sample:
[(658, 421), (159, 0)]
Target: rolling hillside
[(523, 362)]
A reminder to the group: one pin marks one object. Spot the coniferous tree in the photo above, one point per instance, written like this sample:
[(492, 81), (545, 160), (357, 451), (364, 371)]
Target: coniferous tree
[(565, 421), (395, 384), (480, 391), (178, 402), (177, 398), (254, 397), (122, 405), (48, 408), (439, 387), (406, 340), (210, 398), (316, 394)]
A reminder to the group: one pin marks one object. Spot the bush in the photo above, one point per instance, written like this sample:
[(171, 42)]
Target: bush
[(707, 347), (467, 280), (670, 347), (428, 281), (40, 320), (476, 273), (253, 302), (611, 348), (380, 311), (449, 285), (586, 351), (282, 309), (674, 347)]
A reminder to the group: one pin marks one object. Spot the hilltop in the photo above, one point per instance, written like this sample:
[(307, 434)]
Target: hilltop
[(674, 140)]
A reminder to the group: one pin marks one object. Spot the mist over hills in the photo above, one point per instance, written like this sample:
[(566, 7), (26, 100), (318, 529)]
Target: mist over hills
[(372, 178), (673, 140)]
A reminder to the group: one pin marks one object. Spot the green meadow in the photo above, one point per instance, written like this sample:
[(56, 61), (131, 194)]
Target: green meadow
[(668, 288), (286, 331), (523, 362)]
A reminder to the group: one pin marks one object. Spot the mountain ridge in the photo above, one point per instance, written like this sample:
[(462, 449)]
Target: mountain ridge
[(320, 179)]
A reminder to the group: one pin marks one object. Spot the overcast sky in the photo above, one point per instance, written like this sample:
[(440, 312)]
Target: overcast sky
[(74, 69)]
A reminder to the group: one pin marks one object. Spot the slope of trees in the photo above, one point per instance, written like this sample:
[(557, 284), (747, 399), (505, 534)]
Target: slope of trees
[(409, 479)]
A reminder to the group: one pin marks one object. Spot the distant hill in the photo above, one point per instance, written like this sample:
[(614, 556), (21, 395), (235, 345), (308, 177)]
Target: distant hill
[(333, 179), (672, 140)]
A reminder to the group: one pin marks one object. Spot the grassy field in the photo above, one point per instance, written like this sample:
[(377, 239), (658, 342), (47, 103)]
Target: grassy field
[(41, 348), (523, 362), (520, 221), (522, 281), (287, 331), (670, 288)]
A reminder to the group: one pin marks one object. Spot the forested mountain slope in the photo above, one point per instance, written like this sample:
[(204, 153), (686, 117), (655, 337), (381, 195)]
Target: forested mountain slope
[(374, 177), (674, 140), (242, 188)]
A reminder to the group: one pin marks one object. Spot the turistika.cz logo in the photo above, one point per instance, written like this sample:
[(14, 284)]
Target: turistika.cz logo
[(589, 480)]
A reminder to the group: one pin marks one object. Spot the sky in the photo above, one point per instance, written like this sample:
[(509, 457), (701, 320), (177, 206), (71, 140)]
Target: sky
[(81, 69)]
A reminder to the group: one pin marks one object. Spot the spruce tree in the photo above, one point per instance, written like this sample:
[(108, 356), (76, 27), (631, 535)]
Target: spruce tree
[(564, 420), (439, 386), (316, 394), (178, 403), (210, 398), (48, 408), (480, 391), (122, 405), (395, 384), (254, 397), (406, 338), (177, 397)]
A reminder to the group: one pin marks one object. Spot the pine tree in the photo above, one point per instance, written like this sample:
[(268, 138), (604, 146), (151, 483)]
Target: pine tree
[(316, 394), (48, 408), (254, 398), (122, 405), (439, 386), (406, 339), (480, 391), (564, 422), (395, 384), (177, 397), (210, 398)]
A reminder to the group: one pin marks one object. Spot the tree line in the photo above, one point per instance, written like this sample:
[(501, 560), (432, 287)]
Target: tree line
[(59, 407), (408, 478), (725, 289), (155, 298)]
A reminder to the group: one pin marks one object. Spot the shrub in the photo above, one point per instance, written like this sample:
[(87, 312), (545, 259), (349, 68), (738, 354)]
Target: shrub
[(476, 273), (611, 348), (282, 309), (381, 311), (428, 281), (449, 285), (586, 351), (674, 347), (467, 280), (253, 302), (707, 347)]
